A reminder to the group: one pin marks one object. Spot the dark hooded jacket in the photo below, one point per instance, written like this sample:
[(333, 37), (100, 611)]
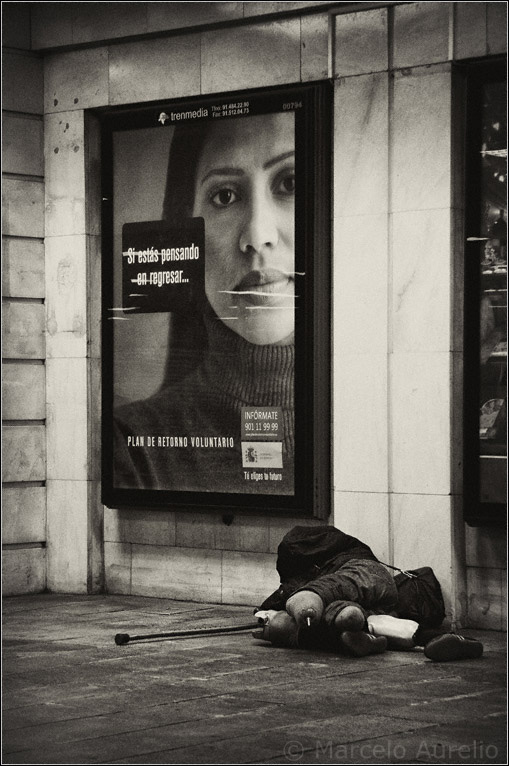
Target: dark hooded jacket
[(306, 553)]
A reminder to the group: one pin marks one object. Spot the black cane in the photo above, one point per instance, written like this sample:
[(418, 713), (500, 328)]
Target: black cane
[(121, 639)]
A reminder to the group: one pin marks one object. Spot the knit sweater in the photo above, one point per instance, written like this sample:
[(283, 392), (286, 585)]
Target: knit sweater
[(187, 437)]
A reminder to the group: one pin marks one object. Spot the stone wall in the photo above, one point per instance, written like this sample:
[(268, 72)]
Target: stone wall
[(23, 290)]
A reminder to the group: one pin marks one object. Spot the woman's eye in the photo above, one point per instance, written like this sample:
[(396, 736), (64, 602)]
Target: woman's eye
[(286, 184), (224, 197)]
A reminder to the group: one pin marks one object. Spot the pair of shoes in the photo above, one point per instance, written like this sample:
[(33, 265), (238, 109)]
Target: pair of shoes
[(361, 644), (451, 646), (306, 608)]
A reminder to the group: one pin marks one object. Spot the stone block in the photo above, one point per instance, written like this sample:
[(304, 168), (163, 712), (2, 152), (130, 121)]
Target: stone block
[(117, 568), (195, 530), (67, 419), (23, 392), (95, 523), (360, 462), (497, 28), (51, 25), (360, 277), (420, 284), (252, 56), (93, 22), (24, 453), (65, 174), (361, 42), (22, 208), (67, 535), (23, 331), (22, 82), (207, 530), (484, 590), (248, 578), (22, 268), (23, 515), (16, 25), (485, 547), (422, 536), (22, 145), (279, 526), (188, 574), (23, 571), (361, 141), (419, 406), (245, 533), (421, 33), (162, 17), (66, 297), (365, 515), (143, 527), (314, 47), (154, 69), (421, 144), (470, 30), (76, 80)]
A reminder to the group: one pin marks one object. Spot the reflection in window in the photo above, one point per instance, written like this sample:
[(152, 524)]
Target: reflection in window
[(493, 294)]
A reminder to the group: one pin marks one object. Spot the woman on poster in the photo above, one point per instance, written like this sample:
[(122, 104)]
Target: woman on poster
[(239, 176)]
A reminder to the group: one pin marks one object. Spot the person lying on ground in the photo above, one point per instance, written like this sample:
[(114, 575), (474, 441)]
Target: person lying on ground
[(335, 594)]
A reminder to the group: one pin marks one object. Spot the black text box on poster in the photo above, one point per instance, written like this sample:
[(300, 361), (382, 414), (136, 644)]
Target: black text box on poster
[(162, 266)]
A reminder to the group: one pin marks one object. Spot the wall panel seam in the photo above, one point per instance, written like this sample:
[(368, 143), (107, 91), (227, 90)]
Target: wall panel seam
[(23, 115), (23, 177)]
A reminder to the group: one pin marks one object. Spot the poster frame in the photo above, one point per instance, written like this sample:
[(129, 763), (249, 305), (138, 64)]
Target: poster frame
[(312, 374)]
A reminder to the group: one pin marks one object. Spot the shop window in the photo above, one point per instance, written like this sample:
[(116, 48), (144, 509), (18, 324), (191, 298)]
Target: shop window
[(485, 432)]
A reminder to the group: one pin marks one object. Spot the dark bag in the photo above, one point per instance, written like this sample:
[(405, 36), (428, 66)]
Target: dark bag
[(420, 597)]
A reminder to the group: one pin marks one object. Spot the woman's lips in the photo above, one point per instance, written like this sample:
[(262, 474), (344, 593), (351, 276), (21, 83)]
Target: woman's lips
[(261, 279), (266, 288)]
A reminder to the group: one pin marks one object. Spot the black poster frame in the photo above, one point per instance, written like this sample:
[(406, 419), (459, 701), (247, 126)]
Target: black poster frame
[(311, 103)]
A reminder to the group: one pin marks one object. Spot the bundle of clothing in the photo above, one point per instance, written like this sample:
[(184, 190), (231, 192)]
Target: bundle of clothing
[(335, 595)]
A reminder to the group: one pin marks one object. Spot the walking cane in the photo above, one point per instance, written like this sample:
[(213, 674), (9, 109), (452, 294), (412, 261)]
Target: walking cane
[(121, 639)]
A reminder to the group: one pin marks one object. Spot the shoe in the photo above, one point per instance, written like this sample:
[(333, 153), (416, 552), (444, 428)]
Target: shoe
[(306, 608), (351, 618), (450, 646), (362, 644)]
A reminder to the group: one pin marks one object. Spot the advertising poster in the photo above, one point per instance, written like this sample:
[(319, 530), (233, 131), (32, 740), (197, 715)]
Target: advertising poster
[(205, 310)]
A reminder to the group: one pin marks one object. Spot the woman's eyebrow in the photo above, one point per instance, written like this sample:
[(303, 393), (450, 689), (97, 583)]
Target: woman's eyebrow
[(226, 171), (230, 171), (279, 158)]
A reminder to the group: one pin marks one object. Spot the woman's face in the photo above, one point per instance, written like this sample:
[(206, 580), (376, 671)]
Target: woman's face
[(245, 192)]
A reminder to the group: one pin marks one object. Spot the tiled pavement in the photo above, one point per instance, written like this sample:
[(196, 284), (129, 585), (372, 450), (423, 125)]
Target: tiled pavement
[(71, 695)]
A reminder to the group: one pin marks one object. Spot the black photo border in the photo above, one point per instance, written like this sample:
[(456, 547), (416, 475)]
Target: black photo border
[(312, 496)]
